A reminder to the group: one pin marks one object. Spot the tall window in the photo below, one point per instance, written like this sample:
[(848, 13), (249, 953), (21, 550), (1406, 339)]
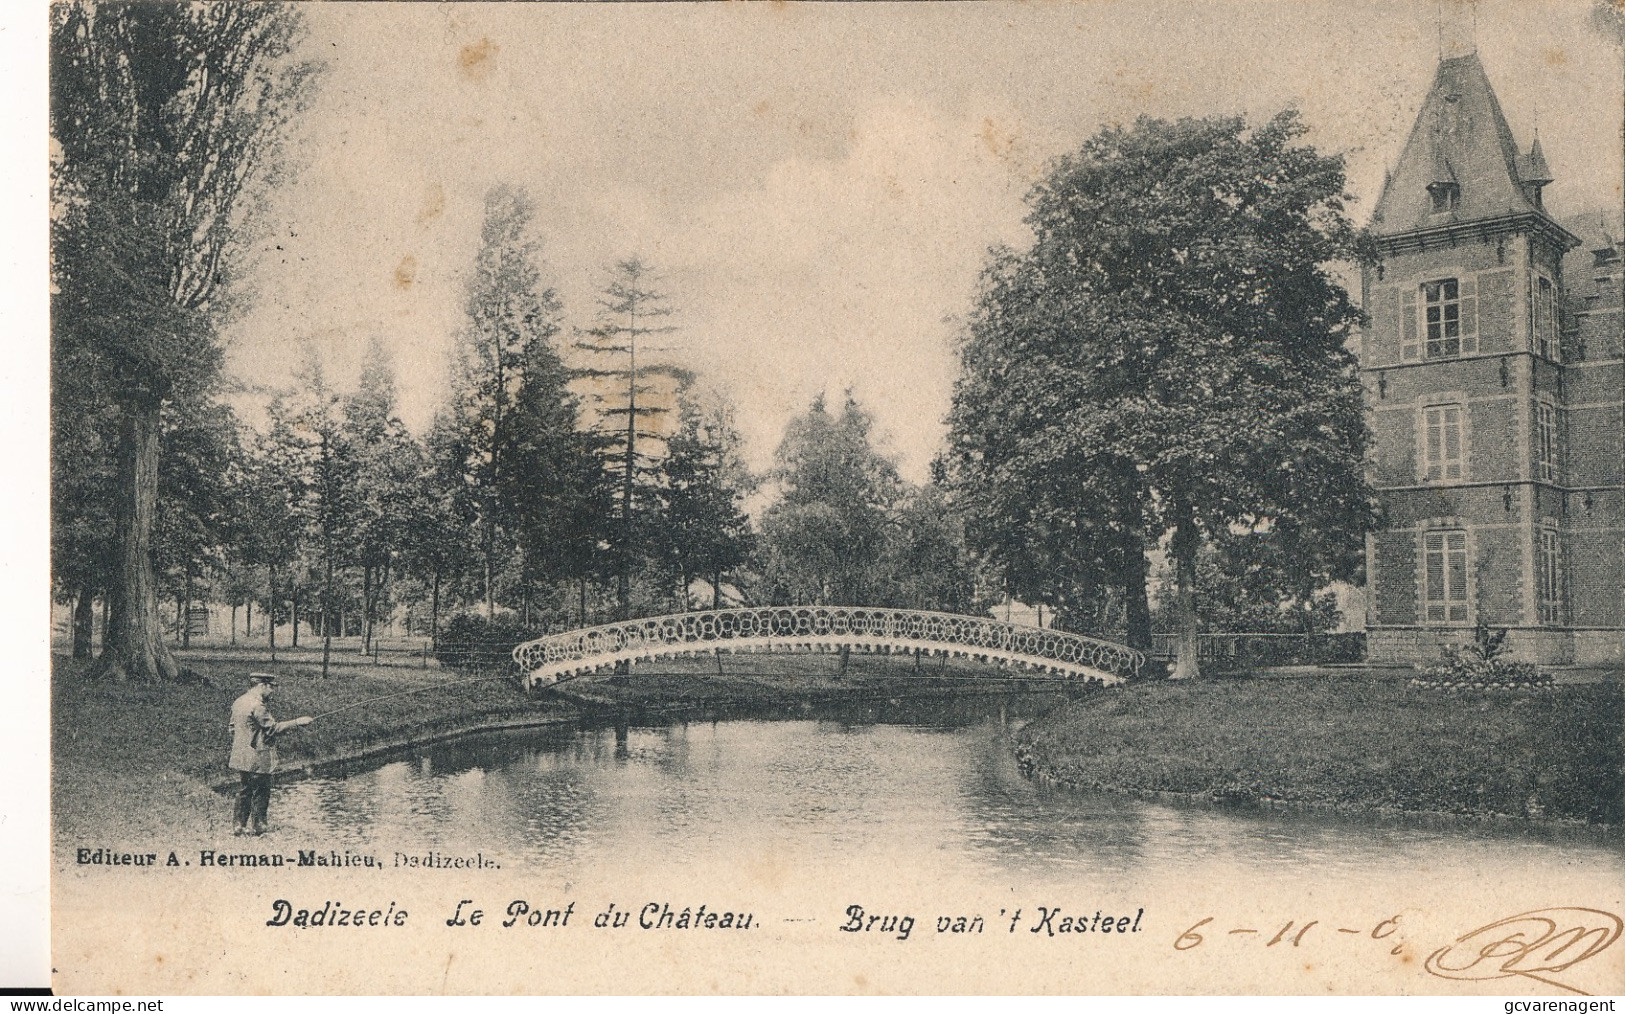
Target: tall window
[(1549, 576), (1546, 455), (1441, 443), (1444, 586), (1546, 340), (1448, 319)]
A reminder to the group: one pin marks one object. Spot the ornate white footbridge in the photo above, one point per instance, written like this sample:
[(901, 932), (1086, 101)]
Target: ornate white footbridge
[(1048, 653)]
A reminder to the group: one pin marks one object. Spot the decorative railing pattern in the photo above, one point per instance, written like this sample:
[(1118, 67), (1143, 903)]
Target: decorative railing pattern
[(822, 628)]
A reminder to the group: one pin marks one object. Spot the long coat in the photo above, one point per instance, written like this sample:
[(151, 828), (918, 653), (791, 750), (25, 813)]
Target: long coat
[(253, 734)]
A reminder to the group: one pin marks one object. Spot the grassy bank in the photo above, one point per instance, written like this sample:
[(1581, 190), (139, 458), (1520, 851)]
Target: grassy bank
[(130, 758), (133, 760), (1347, 742)]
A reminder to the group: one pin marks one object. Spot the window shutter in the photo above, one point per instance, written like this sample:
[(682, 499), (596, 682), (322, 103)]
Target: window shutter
[(1409, 347), (1469, 313), (1529, 318), (1384, 327)]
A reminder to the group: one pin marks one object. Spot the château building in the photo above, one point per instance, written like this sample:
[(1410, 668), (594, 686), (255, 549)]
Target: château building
[(1494, 378)]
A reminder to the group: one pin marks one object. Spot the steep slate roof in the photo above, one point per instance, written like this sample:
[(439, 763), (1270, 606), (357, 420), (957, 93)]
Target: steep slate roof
[(1460, 136)]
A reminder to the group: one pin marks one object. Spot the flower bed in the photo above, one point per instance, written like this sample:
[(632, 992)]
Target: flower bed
[(1479, 666)]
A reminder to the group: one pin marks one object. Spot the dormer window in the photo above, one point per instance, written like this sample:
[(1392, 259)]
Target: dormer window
[(1446, 196)]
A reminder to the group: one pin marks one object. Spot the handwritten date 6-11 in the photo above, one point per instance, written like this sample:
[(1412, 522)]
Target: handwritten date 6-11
[(1291, 932)]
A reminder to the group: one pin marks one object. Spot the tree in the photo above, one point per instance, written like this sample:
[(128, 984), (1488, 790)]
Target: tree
[(200, 473), (271, 529), (554, 496), (927, 564), (1170, 355), (389, 478), (828, 529), (439, 549), (163, 118), (84, 552), (704, 530), (322, 474), (511, 320), (1256, 582), (625, 400)]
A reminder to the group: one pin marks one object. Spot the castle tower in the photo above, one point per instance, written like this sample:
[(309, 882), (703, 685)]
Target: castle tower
[(1496, 432)]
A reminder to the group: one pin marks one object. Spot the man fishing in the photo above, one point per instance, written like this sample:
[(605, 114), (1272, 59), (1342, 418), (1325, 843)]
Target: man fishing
[(253, 750)]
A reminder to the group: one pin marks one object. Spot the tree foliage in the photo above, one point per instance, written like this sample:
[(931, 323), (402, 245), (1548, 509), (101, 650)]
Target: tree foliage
[(704, 530), (1169, 358), (512, 319), (828, 528), (163, 118)]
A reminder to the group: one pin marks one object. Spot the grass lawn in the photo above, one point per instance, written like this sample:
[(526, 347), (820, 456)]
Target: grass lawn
[(1355, 741)]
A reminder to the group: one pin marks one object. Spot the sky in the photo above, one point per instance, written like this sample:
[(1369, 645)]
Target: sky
[(817, 185)]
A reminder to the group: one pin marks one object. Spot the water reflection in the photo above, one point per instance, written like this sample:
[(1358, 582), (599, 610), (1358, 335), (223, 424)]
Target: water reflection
[(932, 790)]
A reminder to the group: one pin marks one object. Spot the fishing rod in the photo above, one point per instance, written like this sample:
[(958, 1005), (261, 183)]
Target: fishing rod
[(407, 693)]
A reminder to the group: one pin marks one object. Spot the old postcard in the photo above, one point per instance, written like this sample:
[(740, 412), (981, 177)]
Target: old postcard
[(912, 498)]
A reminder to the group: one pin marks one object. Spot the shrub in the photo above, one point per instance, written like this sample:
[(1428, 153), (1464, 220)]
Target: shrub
[(1480, 666), (472, 643)]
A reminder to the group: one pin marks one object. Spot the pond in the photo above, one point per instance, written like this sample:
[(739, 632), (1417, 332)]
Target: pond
[(928, 789)]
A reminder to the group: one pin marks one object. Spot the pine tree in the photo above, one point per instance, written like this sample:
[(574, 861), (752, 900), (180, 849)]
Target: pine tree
[(621, 369)]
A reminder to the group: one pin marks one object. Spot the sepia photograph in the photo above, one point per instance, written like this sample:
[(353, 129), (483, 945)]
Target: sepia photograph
[(1084, 497)]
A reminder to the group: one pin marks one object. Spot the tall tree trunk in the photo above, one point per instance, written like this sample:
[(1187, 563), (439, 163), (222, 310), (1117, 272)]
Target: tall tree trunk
[(84, 619), (381, 598), (366, 610), (581, 608), (1184, 545), (186, 614), (271, 605), (234, 623), (489, 540), (1137, 596), (133, 648), (327, 606), (434, 612), (716, 590), (248, 618), (295, 614)]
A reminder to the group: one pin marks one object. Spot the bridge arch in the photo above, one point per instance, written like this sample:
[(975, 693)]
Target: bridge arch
[(572, 653)]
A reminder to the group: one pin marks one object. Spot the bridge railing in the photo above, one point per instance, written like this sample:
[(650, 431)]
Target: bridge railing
[(573, 652)]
